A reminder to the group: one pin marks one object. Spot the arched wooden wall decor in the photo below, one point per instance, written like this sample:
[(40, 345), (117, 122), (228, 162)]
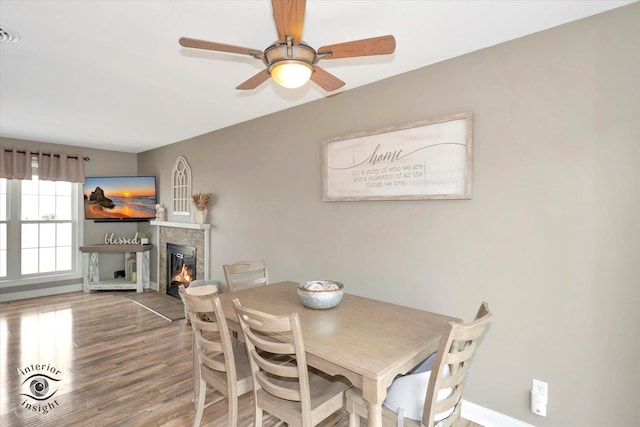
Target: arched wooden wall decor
[(181, 187)]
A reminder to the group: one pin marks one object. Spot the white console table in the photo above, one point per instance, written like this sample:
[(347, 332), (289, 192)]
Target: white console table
[(91, 268)]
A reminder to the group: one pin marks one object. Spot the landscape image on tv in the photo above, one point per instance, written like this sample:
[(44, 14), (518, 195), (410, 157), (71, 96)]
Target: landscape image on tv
[(120, 197)]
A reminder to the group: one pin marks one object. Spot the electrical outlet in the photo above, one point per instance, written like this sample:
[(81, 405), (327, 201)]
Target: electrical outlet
[(540, 388)]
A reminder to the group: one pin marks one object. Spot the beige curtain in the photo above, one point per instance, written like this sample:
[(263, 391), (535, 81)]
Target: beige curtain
[(14, 164), (60, 167)]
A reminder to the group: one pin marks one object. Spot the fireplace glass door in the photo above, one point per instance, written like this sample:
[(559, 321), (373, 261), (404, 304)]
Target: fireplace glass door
[(181, 267)]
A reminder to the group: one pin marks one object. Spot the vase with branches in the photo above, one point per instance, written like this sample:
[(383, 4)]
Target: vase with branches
[(200, 201)]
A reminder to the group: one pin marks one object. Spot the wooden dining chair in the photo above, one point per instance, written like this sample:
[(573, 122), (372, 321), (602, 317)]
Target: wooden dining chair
[(292, 392), (196, 370), (197, 287), (442, 388), (219, 361), (245, 274)]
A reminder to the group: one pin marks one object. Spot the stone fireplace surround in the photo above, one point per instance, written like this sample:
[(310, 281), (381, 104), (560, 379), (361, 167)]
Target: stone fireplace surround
[(182, 233)]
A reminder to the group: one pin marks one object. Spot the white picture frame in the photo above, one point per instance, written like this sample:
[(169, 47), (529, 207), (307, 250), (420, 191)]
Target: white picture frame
[(429, 159)]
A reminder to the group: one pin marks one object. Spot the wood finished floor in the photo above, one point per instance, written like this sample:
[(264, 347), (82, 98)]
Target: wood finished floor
[(119, 363)]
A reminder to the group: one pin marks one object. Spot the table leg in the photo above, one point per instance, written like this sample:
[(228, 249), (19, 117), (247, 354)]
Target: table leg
[(374, 395), (375, 415)]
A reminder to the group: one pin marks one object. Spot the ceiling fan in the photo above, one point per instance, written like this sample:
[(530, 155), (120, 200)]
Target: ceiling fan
[(290, 61)]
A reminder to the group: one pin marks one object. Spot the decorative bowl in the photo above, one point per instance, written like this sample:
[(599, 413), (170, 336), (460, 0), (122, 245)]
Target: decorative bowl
[(320, 294)]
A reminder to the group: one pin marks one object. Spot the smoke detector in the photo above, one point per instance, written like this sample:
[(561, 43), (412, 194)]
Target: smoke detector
[(7, 35)]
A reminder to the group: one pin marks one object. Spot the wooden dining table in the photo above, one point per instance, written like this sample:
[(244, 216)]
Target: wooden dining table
[(367, 341)]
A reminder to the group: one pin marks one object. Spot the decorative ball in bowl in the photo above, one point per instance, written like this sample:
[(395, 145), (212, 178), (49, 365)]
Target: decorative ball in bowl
[(320, 294)]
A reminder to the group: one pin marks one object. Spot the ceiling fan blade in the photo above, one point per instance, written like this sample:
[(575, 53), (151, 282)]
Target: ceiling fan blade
[(366, 47), (254, 81), (325, 79), (289, 16), (203, 44)]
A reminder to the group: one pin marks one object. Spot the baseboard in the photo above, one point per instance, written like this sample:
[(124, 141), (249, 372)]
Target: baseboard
[(487, 417), (34, 293)]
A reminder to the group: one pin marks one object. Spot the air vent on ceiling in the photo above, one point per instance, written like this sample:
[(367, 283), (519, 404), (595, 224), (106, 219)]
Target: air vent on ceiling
[(7, 35)]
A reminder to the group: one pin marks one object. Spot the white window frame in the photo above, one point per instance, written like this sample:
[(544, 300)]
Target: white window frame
[(14, 227)]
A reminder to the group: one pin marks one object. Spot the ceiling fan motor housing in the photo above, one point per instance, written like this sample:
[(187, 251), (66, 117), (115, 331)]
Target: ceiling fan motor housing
[(281, 51)]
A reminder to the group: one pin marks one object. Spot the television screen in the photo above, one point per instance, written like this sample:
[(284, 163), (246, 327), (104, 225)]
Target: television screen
[(117, 198)]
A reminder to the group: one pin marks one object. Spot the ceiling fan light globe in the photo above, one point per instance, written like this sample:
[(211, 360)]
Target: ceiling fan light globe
[(291, 73)]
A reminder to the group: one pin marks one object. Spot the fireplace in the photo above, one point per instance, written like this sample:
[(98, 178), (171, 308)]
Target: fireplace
[(181, 267), (188, 234)]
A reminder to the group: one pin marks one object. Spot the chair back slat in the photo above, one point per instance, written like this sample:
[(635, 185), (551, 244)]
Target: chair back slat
[(245, 274), (448, 403), (456, 358), (212, 363), (279, 369), (273, 388), (207, 340), (268, 345), (205, 325), (453, 379)]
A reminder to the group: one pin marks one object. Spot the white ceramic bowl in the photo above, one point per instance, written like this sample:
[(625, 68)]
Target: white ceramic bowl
[(320, 294)]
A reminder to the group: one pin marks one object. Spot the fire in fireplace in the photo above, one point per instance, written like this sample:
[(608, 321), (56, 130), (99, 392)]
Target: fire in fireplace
[(184, 276), (181, 267)]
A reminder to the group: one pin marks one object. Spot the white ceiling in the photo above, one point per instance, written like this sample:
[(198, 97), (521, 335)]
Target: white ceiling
[(111, 75)]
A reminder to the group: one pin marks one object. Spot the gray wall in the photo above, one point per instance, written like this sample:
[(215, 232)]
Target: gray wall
[(550, 238)]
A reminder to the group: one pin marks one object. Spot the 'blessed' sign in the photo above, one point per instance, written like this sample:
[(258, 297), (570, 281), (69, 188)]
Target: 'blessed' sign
[(112, 239)]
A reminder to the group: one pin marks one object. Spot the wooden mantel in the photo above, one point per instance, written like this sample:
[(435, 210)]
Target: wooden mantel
[(181, 225)]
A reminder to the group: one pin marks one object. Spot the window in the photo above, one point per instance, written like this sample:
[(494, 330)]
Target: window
[(3, 227), (38, 229)]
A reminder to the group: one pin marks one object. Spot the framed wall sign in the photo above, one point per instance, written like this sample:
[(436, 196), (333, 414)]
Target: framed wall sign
[(430, 159)]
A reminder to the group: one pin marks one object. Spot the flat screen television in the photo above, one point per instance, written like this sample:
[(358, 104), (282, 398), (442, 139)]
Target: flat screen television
[(120, 198)]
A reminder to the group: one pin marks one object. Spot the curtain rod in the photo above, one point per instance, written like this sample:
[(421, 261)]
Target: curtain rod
[(85, 158)]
